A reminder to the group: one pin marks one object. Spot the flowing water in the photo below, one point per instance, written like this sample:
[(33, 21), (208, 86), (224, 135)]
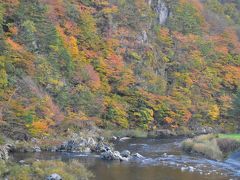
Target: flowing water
[(163, 161)]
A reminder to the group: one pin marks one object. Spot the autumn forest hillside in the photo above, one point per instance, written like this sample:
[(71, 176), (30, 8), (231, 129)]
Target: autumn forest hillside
[(144, 64)]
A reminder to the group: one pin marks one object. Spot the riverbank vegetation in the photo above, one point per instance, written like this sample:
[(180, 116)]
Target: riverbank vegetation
[(230, 136), (42, 169), (212, 146)]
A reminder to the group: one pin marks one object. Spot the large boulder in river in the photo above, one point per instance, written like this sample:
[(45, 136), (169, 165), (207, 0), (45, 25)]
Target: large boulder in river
[(111, 155), (137, 156), (101, 147), (126, 153)]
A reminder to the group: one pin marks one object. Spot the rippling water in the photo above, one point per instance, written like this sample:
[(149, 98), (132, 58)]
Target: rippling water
[(163, 161)]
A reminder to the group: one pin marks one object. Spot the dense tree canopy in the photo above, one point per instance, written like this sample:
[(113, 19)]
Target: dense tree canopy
[(111, 62)]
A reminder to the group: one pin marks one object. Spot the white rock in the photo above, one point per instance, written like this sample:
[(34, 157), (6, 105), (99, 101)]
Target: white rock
[(183, 169), (21, 161), (124, 138), (137, 155), (54, 177), (191, 169), (125, 153)]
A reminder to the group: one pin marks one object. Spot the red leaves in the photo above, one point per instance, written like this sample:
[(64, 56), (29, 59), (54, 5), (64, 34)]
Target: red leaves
[(94, 79), (56, 9), (115, 61)]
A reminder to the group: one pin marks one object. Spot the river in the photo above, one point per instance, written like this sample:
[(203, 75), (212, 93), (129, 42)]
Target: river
[(163, 161)]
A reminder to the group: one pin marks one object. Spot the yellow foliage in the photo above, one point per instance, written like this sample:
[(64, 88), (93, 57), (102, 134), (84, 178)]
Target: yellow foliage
[(73, 46), (40, 127), (214, 112), (110, 10), (70, 42)]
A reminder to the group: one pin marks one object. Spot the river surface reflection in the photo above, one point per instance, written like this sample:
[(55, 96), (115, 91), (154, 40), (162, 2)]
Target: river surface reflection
[(163, 161)]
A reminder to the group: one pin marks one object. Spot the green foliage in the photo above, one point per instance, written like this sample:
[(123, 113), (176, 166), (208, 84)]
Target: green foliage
[(228, 10), (229, 136), (185, 19), (3, 168), (2, 141), (3, 74), (71, 170), (144, 117), (88, 36), (215, 6), (116, 111), (236, 106), (86, 101), (2, 10)]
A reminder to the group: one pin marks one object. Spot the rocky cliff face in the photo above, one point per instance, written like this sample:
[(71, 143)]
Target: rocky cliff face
[(162, 12)]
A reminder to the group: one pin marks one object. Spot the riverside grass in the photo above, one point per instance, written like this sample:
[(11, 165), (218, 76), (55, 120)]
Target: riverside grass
[(230, 136), (205, 145), (212, 146)]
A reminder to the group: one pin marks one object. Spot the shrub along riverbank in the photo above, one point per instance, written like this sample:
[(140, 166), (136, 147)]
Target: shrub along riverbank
[(213, 146)]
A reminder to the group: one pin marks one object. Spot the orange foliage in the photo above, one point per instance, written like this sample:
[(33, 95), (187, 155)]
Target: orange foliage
[(115, 61), (40, 127), (164, 36), (232, 75), (185, 39), (115, 65), (51, 110), (14, 45), (187, 116), (232, 39), (13, 30), (226, 41), (168, 120)]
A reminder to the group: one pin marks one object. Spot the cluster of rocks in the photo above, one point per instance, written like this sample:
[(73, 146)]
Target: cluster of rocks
[(123, 156), (85, 145)]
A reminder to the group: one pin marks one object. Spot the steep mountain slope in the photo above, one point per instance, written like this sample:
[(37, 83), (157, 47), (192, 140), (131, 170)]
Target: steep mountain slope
[(118, 63)]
